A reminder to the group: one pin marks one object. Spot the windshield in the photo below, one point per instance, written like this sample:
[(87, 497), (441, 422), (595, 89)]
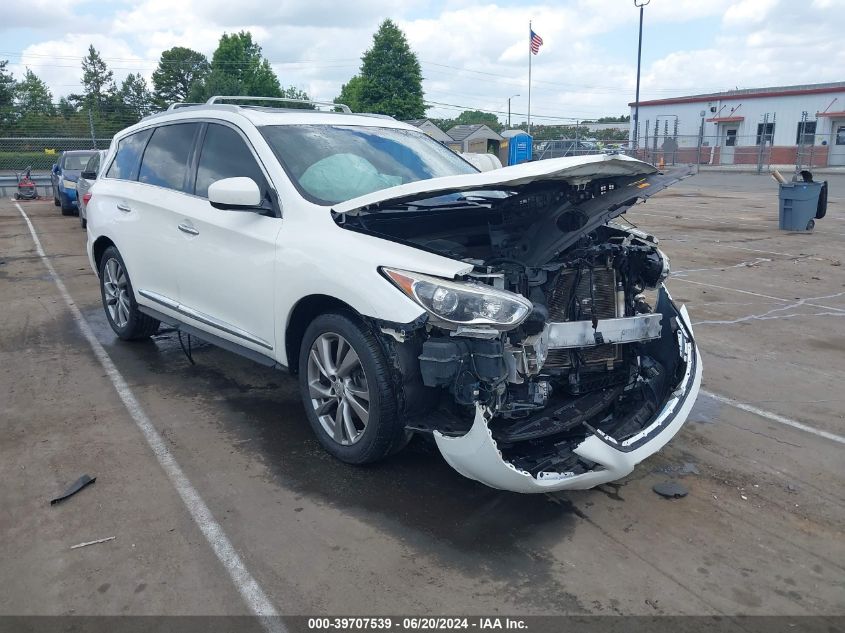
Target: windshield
[(76, 161), (333, 163)]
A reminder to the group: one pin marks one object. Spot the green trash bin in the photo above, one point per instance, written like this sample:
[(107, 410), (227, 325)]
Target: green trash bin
[(799, 202)]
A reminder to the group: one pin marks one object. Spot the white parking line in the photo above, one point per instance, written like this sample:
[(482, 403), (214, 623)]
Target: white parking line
[(757, 294), (774, 417), (251, 592)]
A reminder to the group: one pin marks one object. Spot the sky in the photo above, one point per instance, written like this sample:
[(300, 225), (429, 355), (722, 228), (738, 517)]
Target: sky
[(473, 54)]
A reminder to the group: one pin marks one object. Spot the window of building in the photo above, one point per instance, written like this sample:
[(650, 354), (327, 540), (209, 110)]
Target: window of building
[(225, 155), (840, 135), (730, 138), (806, 133), (765, 133), (165, 160), (125, 163)]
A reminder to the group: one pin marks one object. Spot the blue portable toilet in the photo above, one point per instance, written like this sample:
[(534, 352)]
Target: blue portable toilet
[(518, 147)]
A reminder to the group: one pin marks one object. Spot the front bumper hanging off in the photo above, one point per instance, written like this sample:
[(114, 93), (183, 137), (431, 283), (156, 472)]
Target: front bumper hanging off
[(476, 455)]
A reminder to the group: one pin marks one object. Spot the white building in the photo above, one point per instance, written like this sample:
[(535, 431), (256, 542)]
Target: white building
[(786, 124)]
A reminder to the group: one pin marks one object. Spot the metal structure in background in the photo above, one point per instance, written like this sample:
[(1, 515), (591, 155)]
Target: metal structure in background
[(640, 4), (509, 110)]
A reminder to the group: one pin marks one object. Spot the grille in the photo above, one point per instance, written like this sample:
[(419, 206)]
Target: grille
[(560, 299)]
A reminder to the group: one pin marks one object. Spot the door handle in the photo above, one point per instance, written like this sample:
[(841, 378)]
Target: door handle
[(187, 228), (122, 206)]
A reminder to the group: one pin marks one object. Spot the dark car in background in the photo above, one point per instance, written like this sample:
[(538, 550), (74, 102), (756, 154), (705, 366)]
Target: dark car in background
[(64, 177), (86, 180)]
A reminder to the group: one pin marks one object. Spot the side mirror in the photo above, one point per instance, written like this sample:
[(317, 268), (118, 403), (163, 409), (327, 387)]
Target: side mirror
[(235, 194), (89, 175), (55, 168)]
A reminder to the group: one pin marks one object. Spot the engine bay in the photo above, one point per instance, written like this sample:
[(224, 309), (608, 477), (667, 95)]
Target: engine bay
[(598, 352)]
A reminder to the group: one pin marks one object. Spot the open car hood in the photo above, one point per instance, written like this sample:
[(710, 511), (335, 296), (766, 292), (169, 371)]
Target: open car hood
[(572, 170)]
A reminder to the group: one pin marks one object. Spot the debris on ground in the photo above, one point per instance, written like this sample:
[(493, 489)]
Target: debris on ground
[(670, 490), (75, 487), (87, 543)]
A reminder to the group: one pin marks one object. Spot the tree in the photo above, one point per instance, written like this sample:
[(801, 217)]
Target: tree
[(134, 98), (473, 117), (7, 94), (33, 97), (179, 69), (350, 94), (97, 80), (390, 76), (237, 68)]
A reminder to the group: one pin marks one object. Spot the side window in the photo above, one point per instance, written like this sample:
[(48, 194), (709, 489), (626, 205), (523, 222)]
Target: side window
[(225, 155), (93, 163), (125, 163), (165, 160)]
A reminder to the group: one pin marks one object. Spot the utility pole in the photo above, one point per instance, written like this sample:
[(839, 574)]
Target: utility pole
[(509, 109), (640, 4)]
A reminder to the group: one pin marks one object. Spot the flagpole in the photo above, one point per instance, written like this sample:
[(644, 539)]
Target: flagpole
[(529, 76)]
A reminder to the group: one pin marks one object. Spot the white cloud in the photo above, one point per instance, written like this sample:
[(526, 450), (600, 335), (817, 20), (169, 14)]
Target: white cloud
[(58, 62)]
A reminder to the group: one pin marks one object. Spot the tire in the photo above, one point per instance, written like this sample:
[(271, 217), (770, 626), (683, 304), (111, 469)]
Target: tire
[(136, 325), (811, 225), (56, 198), (67, 207), (82, 221), (821, 209), (382, 431)]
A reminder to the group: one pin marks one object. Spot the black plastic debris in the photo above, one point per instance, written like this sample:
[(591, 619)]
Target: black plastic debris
[(670, 490), (75, 487)]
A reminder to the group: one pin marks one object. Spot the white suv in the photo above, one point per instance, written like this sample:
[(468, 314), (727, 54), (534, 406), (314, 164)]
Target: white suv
[(505, 313)]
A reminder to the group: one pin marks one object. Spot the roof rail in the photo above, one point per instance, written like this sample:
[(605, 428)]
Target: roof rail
[(218, 98), (181, 104)]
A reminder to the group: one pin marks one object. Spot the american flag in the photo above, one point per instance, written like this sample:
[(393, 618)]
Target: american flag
[(536, 42)]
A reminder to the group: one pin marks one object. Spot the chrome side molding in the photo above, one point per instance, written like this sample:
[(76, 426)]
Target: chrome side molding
[(204, 318)]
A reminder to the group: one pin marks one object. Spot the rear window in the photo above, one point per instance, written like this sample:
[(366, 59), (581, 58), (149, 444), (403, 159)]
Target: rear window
[(129, 149), (333, 163), (76, 161), (165, 161)]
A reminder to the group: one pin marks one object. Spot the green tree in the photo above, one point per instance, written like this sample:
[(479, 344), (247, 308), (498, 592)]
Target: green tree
[(134, 99), (472, 117), (391, 79), (237, 68), (97, 80), (32, 96), (179, 69), (350, 94), (7, 94)]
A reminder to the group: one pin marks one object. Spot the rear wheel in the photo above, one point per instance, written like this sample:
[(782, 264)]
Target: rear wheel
[(66, 204), (122, 312), (345, 385), (56, 198)]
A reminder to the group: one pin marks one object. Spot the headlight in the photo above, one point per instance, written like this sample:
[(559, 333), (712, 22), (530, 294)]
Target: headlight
[(69, 184), (462, 303)]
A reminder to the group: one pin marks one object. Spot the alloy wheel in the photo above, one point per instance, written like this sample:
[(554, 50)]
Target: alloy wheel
[(116, 292), (337, 386)]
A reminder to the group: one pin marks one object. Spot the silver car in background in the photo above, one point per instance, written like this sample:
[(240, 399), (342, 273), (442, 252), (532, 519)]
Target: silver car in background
[(86, 181)]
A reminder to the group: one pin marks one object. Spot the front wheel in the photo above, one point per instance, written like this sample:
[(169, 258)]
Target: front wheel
[(346, 389), (122, 312)]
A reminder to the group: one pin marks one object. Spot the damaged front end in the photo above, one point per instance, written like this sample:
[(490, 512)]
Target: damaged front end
[(559, 361)]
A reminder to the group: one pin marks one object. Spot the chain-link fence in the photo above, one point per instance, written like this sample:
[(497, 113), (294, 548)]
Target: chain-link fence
[(749, 151), (41, 152)]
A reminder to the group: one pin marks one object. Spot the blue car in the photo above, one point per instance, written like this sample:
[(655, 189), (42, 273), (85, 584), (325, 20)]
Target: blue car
[(64, 175)]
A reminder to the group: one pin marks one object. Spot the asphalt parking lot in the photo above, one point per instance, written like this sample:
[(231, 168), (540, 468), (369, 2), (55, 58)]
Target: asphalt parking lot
[(761, 531)]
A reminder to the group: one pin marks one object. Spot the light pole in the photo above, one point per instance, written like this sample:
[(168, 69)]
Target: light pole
[(509, 109), (640, 4)]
